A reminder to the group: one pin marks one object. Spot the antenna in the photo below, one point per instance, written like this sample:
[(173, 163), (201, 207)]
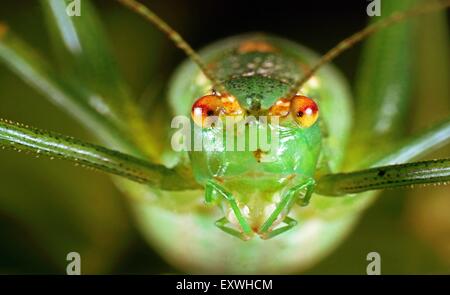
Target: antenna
[(349, 42), (149, 15)]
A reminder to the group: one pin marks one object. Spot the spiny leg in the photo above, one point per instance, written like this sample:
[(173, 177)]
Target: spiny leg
[(23, 138), (286, 203), (211, 188), (426, 172)]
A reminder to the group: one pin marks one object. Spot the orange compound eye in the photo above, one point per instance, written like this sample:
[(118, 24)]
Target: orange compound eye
[(304, 111), (206, 107), (281, 108)]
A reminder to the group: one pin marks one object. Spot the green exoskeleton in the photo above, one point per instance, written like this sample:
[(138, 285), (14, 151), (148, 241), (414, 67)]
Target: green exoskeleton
[(217, 209)]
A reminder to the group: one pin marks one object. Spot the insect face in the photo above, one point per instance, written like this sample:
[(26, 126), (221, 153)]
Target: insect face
[(255, 161)]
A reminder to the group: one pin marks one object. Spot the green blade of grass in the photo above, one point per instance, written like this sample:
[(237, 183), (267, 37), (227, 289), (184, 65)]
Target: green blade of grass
[(83, 51), (383, 87), (393, 73), (78, 102), (31, 140)]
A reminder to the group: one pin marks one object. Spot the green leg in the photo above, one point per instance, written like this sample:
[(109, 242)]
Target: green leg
[(285, 204), (210, 194), (39, 142), (223, 224), (211, 189), (304, 199), (290, 223), (426, 172)]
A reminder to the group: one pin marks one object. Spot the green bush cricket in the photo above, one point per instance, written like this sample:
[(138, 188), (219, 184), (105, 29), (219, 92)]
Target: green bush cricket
[(259, 75)]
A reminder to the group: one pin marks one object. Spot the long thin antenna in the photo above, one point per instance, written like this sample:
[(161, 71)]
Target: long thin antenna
[(349, 42), (149, 15)]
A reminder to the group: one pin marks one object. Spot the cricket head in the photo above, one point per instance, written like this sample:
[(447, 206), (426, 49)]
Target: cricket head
[(257, 144), (254, 165)]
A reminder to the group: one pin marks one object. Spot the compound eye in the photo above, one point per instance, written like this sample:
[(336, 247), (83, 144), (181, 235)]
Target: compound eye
[(206, 108), (210, 108), (304, 111)]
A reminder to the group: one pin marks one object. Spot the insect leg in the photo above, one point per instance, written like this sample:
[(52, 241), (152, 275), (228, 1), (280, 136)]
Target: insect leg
[(286, 203), (31, 140), (426, 172), (304, 199), (212, 188), (290, 223), (223, 224)]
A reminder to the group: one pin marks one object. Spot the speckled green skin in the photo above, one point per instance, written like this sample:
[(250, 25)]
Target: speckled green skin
[(181, 226)]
